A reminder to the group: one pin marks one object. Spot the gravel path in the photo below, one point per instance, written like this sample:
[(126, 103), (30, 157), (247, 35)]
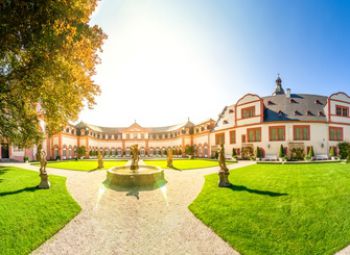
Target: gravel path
[(135, 221)]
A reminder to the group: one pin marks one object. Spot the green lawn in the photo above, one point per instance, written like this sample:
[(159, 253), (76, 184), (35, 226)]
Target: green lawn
[(184, 164), (280, 209), (29, 216), (82, 165)]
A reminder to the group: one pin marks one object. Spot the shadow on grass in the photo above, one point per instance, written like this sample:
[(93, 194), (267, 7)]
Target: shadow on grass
[(3, 170), (234, 187), (175, 168), (28, 189)]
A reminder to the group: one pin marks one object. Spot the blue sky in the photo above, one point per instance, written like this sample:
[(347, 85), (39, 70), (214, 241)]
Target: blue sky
[(168, 60)]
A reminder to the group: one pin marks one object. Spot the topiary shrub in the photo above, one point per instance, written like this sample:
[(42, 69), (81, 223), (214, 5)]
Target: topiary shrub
[(281, 153), (344, 149), (311, 152), (258, 153), (234, 153), (332, 151)]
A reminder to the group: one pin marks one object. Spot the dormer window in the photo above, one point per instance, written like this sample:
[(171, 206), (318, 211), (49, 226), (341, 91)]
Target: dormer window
[(280, 114), (292, 101), (270, 102), (318, 102), (248, 112), (309, 113), (321, 114), (230, 111), (225, 122), (297, 113)]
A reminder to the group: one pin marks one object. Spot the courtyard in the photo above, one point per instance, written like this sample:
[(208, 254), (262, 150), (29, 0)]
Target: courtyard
[(291, 209)]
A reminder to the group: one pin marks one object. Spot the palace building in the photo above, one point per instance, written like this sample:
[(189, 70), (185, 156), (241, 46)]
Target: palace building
[(284, 118)]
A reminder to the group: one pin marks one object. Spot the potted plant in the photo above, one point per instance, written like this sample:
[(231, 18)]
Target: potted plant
[(26, 159)]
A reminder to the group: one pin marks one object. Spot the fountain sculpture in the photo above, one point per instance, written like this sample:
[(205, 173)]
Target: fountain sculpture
[(135, 175)]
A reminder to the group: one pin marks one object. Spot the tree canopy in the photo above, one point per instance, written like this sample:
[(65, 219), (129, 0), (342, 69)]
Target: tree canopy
[(48, 54)]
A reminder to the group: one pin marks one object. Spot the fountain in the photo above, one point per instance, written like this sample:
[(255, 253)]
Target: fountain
[(135, 175)]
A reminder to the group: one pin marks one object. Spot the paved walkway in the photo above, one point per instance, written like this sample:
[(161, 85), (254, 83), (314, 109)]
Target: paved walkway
[(135, 221)]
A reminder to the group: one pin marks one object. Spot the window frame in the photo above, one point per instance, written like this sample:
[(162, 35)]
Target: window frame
[(308, 132), (342, 108), (248, 109), (232, 136), (278, 138), (336, 128), (255, 139)]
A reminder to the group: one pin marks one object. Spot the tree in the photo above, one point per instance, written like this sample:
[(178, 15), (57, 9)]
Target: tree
[(81, 151), (190, 150), (47, 59)]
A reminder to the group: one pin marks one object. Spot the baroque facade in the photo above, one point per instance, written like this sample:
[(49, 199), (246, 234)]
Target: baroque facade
[(284, 118)]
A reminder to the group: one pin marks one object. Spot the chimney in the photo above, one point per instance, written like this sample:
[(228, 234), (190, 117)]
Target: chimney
[(288, 93)]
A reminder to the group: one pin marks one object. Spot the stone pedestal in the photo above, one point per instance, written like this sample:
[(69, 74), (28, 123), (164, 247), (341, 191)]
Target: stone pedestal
[(44, 183), (223, 179)]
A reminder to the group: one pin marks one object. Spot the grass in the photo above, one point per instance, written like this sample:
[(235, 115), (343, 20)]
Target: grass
[(83, 165), (280, 209), (28, 216), (184, 164)]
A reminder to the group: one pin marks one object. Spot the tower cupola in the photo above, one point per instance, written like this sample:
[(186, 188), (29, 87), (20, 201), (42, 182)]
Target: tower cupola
[(278, 90)]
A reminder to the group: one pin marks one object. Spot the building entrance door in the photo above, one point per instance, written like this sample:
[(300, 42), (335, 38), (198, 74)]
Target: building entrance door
[(5, 150)]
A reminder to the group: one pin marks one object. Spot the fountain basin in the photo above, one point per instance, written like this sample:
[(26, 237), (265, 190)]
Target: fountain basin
[(144, 176)]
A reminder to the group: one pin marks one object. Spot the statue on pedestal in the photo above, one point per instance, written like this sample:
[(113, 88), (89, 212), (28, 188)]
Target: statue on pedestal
[(223, 172), (44, 183), (170, 158), (134, 157), (100, 160)]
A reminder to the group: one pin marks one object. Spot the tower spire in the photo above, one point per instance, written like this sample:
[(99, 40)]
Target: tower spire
[(278, 90)]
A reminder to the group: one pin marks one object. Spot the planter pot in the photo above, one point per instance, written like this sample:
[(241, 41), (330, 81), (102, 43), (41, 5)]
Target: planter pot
[(332, 158)]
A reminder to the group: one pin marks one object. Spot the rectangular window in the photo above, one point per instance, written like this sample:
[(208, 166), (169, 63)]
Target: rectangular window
[(335, 134), (301, 133), (277, 133), (232, 137), (243, 138), (248, 112), (342, 111), (254, 135), (220, 139)]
